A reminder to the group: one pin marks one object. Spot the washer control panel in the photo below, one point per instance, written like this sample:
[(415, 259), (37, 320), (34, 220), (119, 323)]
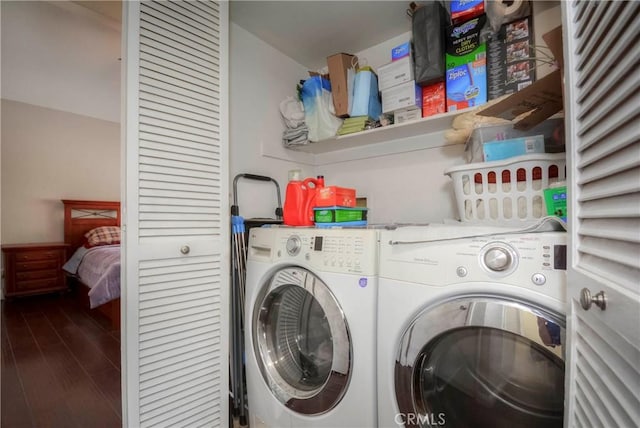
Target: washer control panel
[(534, 260), (333, 250)]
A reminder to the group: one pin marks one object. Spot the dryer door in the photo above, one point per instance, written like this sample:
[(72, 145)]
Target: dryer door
[(301, 341), (482, 361)]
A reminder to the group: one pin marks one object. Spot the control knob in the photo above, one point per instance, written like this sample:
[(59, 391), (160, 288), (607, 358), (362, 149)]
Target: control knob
[(294, 244), (498, 259)]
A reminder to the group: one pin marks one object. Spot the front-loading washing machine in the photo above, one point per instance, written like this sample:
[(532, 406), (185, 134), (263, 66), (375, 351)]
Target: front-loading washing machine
[(471, 329), (310, 327)]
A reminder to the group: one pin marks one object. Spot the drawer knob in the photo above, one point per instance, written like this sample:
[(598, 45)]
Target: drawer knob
[(185, 249)]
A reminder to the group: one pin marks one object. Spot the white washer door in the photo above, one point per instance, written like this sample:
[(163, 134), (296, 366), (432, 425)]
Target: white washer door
[(301, 341), (482, 361)]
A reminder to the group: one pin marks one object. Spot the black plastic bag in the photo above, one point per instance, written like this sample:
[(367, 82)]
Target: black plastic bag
[(428, 24)]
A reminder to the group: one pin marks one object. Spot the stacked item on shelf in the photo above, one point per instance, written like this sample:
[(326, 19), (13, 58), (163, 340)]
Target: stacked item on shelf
[(356, 124), (512, 189), (336, 206), (401, 96)]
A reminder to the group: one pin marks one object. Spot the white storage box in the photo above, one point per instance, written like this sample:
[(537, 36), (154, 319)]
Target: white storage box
[(395, 73), (405, 95), (407, 115), (507, 191)]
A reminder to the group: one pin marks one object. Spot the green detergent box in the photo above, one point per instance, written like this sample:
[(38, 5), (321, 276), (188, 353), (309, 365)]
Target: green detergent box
[(555, 199), (339, 214), (466, 65)]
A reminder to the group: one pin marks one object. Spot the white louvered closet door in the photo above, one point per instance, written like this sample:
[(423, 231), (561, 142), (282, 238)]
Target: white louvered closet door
[(603, 128), (176, 225)]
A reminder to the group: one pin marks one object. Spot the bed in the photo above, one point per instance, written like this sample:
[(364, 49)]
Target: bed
[(95, 270)]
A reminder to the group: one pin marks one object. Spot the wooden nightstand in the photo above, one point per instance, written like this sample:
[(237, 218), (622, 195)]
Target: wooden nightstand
[(34, 268)]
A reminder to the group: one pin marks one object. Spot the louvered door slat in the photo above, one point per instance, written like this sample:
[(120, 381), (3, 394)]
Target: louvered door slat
[(592, 45), (180, 20), (626, 156), (622, 115), (192, 14), (608, 49), (177, 257), (614, 90), (618, 229), (155, 83), (624, 182), (595, 18), (156, 19)]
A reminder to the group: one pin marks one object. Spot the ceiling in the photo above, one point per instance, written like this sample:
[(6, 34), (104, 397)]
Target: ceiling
[(306, 31), (110, 8), (310, 31)]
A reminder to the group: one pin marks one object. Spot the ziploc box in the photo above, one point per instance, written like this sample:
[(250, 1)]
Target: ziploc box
[(433, 99), (401, 96), (466, 74), (395, 73), (505, 149), (401, 51), (462, 10)]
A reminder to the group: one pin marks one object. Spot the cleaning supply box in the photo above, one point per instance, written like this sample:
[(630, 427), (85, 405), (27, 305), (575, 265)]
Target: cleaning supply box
[(339, 214), (466, 74), (331, 196)]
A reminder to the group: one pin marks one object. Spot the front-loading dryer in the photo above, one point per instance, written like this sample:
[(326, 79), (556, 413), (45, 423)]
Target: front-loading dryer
[(471, 330), (310, 327)]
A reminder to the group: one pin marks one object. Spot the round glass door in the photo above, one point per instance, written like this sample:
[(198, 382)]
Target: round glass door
[(301, 341), (495, 364)]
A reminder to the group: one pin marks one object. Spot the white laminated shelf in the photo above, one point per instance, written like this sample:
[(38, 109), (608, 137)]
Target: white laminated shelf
[(428, 125)]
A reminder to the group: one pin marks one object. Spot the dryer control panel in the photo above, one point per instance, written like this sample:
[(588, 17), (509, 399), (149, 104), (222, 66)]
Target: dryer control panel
[(332, 250)]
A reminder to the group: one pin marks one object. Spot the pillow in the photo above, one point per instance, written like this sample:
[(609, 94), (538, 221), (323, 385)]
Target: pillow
[(104, 235)]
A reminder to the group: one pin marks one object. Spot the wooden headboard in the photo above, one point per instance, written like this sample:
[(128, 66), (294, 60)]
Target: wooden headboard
[(82, 216)]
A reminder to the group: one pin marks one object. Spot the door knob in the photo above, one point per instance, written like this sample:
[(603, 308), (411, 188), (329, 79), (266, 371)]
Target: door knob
[(185, 249), (586, 299)]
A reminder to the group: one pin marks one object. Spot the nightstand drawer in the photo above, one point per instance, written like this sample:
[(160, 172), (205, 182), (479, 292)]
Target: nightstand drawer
[(34, 268), (29, 256), (37, 265), (39, 285), (37, 274)]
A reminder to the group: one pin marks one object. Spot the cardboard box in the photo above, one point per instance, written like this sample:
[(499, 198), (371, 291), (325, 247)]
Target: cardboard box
[(511, 64), (539, 100), (331, 196), (463, 10), (433, 99), (401, 51), (401, 96), (505, 149), (466, 75), (338, 65), (395, 73), (407, 115)]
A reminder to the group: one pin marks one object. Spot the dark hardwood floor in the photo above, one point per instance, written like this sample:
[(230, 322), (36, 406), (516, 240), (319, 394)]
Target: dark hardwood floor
[(60, 365)]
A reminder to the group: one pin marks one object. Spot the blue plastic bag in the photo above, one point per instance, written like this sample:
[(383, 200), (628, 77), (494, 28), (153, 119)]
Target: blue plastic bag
[(366, 100), (318, 109)]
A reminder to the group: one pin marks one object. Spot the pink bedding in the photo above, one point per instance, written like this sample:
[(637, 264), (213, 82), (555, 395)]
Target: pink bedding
[(100, 271)]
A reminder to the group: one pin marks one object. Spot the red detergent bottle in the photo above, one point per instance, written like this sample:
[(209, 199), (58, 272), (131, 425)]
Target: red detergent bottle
[(298, 201)]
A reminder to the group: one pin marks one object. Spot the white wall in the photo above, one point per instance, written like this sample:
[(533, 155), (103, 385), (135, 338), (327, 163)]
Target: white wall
[(61, 55), (261, 77), (49, 155)]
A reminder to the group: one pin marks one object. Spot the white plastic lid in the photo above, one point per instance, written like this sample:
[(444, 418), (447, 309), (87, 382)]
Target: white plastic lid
[(294, 174)]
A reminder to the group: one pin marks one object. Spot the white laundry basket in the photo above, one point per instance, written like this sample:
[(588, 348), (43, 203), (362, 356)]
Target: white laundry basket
[(506, 191)]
